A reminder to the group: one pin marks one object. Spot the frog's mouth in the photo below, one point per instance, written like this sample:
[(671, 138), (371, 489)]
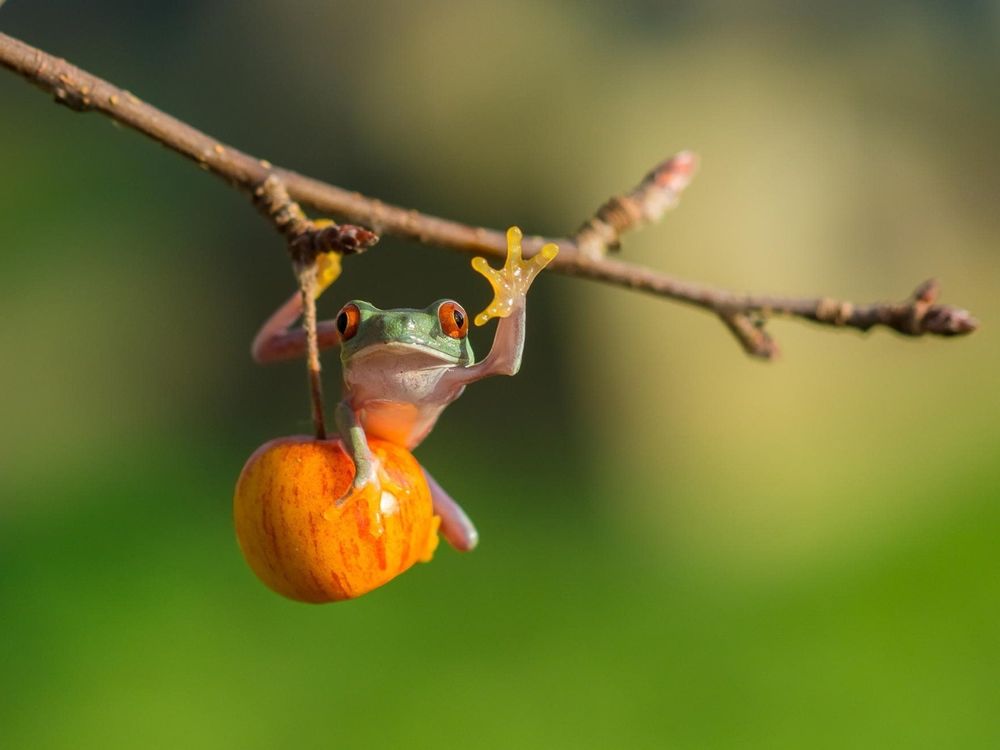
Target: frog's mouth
[(409, 348)]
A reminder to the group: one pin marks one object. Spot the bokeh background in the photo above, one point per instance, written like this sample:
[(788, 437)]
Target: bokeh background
[(681, 547)]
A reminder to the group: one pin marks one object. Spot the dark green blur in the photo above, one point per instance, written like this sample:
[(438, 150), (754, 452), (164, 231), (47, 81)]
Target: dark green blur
[(681, 548)]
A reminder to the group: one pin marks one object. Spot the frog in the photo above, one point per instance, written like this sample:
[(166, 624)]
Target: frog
[(402, 367)]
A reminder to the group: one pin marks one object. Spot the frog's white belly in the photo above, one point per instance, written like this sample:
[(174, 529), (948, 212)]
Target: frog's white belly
[(398, 398)]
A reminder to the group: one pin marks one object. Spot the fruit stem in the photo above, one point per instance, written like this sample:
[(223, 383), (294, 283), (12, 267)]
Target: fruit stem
[(307, 287)]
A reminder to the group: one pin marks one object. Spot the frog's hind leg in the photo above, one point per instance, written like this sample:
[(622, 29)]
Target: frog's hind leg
[(455, 525), (276, 339)]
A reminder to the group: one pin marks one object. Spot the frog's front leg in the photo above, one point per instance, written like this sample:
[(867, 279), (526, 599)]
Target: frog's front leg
[(456, 527), (510, 287), (352, 434)]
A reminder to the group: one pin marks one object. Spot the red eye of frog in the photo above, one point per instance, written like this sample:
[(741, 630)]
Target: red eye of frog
[(347, 321), (454, 321)]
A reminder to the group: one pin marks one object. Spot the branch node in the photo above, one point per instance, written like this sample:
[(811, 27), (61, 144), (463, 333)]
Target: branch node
[(306, 238), (834, 312), (750, 332), (272, 199), (67, 96), (921, 300)]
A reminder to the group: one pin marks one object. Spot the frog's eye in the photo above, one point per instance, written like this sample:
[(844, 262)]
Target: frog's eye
[(454, 321), (347, 321)]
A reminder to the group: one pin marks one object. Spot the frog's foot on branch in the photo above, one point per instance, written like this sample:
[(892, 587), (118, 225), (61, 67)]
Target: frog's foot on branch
[(510, 283), (324, 244), (327, 263)]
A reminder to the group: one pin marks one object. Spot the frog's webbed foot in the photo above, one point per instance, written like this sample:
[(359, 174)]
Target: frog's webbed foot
[(455, 525), (366, 480), (376, 495), (510, 283), (373, 492), (327, 263)]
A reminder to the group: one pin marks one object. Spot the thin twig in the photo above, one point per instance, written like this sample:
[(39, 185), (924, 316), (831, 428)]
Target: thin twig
[(307, 288), (743, 314)]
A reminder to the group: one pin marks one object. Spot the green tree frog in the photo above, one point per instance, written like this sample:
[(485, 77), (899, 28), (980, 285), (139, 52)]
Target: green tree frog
[(402, 367)]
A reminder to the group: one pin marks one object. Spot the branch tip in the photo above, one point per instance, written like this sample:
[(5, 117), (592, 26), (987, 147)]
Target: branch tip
[(658, 192), (923, 316), (945, 320)]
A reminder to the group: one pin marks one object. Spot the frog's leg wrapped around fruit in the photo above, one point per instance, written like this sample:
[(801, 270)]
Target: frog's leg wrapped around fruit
[(369, 481), (352, 433)]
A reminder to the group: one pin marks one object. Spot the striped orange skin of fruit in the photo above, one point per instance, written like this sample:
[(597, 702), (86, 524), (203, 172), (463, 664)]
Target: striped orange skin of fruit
[(282, 495)]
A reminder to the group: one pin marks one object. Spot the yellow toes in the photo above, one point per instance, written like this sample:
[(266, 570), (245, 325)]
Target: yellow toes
[(510, 283), (327, 264)]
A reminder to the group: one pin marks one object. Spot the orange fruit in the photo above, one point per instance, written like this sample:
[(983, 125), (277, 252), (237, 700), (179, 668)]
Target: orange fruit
[(303, 546)]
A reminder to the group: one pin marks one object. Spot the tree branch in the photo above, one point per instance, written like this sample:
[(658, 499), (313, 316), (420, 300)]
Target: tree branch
[(275, 191)]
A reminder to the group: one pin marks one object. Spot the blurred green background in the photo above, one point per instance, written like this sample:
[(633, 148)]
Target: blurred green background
[(681, 547)]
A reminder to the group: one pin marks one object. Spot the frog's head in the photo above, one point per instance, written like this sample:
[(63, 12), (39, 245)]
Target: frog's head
[(438, 334)]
